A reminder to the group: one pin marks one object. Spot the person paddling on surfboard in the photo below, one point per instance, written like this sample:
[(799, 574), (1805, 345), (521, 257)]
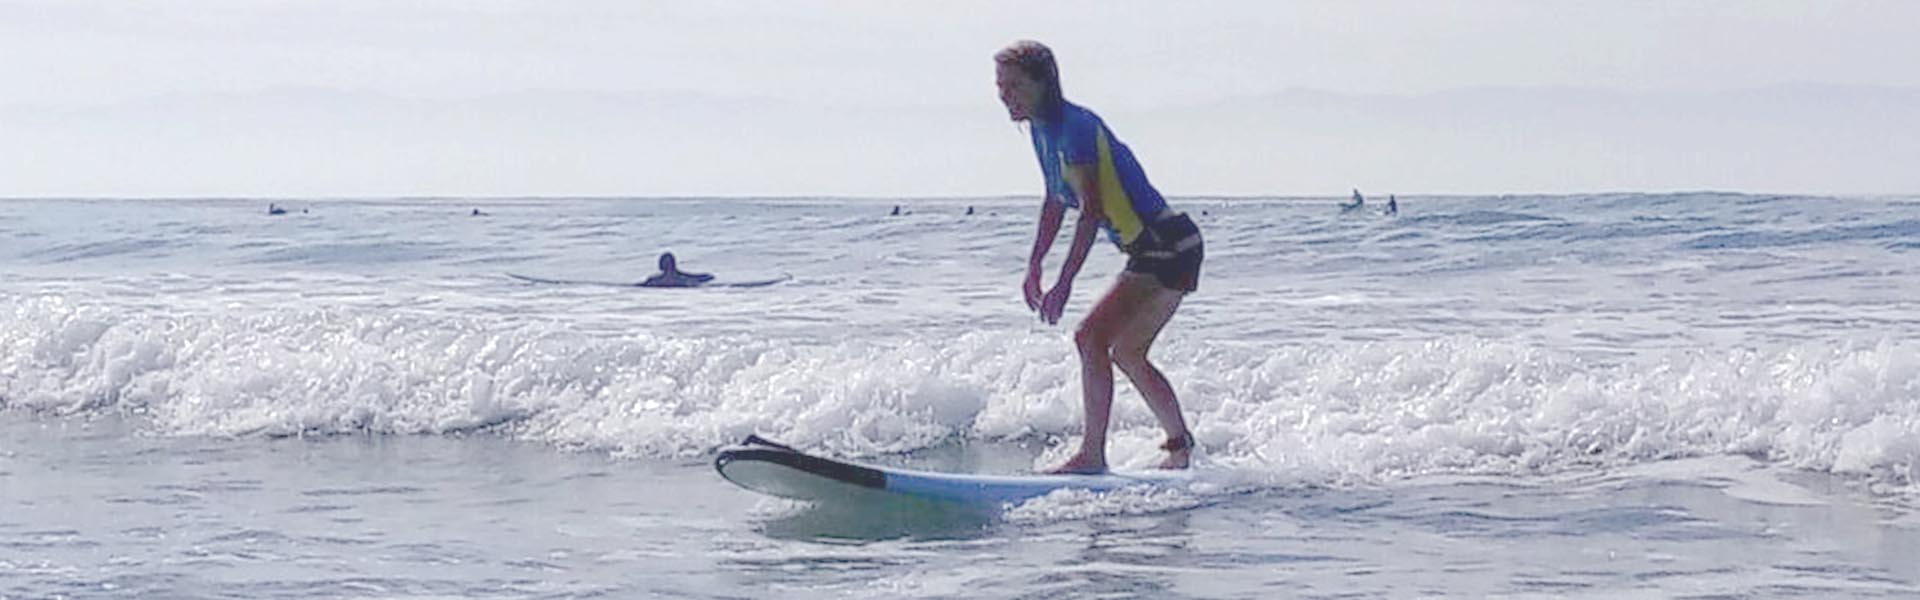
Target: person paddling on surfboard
[(1358, 201), (1087, 168), (671, 276)]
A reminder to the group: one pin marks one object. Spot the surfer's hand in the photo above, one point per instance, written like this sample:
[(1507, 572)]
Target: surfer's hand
[(1054, 304), (1032, 290)]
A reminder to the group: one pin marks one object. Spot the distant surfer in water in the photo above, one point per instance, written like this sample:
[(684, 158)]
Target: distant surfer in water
[(671, 276), (1358, 201), (1087, 168)]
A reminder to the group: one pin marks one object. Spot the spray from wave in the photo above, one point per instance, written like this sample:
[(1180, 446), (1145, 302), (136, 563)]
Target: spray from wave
[(1333, 412)]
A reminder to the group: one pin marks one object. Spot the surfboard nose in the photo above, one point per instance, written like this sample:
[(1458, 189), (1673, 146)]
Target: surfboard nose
[(776, 469)]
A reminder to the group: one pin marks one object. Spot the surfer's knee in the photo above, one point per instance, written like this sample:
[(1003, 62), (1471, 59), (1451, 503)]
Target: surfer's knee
[(1131, 358), (1092, 339)]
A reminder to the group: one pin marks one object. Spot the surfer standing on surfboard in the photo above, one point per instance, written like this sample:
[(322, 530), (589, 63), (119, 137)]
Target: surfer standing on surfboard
[(1087, 168)]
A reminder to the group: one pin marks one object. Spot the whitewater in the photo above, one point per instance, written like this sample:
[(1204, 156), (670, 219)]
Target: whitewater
[(1617, 395)]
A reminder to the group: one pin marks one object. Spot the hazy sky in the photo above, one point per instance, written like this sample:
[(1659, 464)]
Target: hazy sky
[(350, 98)]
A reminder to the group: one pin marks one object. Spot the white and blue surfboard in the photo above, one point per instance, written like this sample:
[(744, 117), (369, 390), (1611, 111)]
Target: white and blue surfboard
[(778, 470)]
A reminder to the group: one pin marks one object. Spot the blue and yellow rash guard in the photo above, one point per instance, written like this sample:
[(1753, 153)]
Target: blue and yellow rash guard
[(1079, 137)]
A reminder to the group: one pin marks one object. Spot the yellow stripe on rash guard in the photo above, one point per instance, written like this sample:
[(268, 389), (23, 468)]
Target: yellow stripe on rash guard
[(1114, 201)]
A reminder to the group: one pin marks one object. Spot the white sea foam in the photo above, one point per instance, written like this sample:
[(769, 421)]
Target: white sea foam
[(1524, 335), (1326, 413)]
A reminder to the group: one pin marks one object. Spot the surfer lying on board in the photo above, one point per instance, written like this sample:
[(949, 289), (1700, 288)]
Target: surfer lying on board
[(671, 276), (1087, 168), (1358, 201)]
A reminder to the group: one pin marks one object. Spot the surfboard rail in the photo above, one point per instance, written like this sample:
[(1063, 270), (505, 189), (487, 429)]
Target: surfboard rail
[(784, 277), (776, 469)]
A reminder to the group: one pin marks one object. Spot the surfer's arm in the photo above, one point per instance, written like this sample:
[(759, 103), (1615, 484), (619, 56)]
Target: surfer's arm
[(1081, 177), (1052, 212)]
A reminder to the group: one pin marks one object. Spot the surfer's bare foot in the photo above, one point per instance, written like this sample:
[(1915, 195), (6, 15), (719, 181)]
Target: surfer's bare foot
[(1179, 452), (1177, 459), (1080, 464)]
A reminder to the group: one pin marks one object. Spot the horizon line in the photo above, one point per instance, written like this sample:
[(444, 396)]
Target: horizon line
[(905, 198)]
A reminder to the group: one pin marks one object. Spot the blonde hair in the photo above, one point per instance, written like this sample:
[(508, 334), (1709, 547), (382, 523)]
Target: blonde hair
[(1035, 60)]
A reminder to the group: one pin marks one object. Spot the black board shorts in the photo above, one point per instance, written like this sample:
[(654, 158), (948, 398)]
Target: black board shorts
[(1170, 250)]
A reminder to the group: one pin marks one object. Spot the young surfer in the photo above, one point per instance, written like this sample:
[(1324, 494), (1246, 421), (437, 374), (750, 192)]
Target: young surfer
[(1087, 168)]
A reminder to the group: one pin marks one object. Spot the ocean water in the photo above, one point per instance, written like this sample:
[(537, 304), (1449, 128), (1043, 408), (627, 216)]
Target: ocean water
[(1678, 395)]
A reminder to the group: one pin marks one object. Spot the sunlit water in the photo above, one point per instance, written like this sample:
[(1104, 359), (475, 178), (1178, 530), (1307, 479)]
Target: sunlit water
[(1603, 396)]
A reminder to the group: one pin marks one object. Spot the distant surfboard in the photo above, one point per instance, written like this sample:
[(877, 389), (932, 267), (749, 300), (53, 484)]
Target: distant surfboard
[(715, 284), (777, 470)]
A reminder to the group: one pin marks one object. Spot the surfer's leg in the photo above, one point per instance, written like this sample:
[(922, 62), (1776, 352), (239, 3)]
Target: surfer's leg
[(1095, 340), (1130, 348)]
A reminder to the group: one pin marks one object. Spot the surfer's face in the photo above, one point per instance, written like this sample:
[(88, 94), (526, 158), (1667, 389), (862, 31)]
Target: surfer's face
[(1018, 91)]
